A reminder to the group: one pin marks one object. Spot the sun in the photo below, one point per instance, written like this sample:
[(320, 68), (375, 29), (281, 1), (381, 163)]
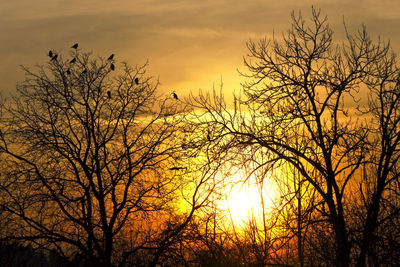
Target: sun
[(243, 200)]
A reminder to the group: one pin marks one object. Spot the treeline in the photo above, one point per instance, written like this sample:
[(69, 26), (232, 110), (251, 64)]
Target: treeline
[(100, 169)]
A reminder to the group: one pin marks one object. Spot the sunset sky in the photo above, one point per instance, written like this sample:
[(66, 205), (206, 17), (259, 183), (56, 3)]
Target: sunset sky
[(189, 44)]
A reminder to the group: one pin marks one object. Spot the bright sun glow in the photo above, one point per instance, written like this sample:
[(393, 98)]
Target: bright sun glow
[(243, 200)]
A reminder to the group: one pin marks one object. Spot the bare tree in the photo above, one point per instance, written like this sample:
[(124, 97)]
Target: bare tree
[(380, 190), (91, 161), (298, 108), (297, 213)]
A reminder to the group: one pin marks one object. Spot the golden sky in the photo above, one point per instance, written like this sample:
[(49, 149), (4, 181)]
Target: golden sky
[(189, 44)]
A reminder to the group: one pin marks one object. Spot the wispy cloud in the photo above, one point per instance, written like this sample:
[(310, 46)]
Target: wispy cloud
[(190, 35)]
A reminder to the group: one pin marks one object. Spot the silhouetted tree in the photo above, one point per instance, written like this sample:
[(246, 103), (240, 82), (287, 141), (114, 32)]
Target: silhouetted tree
[(379, 190), (90, 174), (298, 105)]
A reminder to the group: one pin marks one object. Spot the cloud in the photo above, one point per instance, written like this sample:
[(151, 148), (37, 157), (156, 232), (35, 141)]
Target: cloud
[(180, 37), (191, 32)]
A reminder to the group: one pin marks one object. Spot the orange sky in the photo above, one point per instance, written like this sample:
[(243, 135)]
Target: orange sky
[(189, 44)]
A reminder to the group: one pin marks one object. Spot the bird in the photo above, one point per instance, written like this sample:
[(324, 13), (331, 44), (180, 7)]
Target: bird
[(112, 66), (50, 53), (111, 57), (137, 81), (73, 60), (75, 46), (54, 57), (109, 94), (175, 95), (68, 72), (208, 137)]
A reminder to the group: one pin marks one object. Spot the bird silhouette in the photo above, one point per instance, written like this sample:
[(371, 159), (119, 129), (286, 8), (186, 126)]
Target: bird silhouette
[(112, 66), (137, 81), (109, 94), (73, 60), (75, 46), (54, 57), (111, 57), (68, 72), (208, 137), (175, 95), (50, 53)]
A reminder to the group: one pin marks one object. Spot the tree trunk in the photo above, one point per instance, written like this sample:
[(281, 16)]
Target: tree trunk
[(342, 244), (369, 229), (106, 259), (341, 238), (299, 230)]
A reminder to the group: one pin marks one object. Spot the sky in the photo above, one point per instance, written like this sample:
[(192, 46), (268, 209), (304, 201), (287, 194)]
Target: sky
[(189, 44)]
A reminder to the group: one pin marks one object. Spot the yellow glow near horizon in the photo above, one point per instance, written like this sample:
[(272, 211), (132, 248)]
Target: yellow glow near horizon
[(243, 201)]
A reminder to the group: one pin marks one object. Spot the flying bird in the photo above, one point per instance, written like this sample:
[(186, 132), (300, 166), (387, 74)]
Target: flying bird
[(75, 46), (109, 94), (73, 60), (175, 95), (112, 66), (111, 57), (50, 53), (137, 81), (54, 57)]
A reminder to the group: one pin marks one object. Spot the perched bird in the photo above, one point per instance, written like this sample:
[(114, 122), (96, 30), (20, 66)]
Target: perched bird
[(208, 137), (175, 95), (109, 94), (50, 53), (54, 57), (137, 81), (112, 66), (111, 57), (68, 72), (73, 60), (75, 46)]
